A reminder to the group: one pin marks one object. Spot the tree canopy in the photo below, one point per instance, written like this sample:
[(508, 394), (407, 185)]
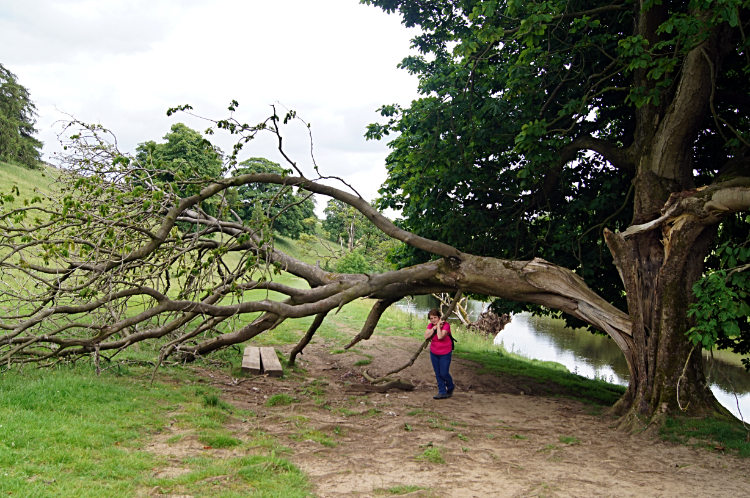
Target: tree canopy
[(364, 247), (184, 155), (17, 121), (544, 126), (522, 144)]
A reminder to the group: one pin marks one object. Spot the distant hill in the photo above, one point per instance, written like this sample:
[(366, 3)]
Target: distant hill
[(25, 179)]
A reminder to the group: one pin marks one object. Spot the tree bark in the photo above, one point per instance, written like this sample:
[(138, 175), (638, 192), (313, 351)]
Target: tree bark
[(663, 253)]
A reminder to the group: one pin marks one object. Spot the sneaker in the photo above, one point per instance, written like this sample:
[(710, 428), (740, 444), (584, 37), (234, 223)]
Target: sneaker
[(441, 396), (450, 392)]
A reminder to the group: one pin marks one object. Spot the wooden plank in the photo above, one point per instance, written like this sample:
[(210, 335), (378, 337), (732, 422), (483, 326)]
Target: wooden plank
[(270, 362), (251, 360)]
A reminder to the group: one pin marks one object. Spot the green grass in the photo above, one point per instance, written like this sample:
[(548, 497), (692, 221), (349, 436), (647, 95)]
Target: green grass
[(77, 430), (432, 454), (25, 179), (212, 400), (257, 476), (317, 436), (555, 378), (372, 412), (708, 433), (66, 433), (280, 399), (219, 441), (315, 388), (571, 440)]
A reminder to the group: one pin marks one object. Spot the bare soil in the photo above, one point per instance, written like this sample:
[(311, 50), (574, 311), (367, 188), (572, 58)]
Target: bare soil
[(497, 438)]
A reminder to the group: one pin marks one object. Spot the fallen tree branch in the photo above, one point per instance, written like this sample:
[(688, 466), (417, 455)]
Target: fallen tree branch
[(307, 337), (373, 318)]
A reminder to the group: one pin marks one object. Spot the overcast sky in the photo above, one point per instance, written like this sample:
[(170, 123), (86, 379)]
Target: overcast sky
[(123, 63)]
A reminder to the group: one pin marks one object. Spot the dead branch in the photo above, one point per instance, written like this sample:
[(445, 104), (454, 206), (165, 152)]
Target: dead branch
[(308, 336)]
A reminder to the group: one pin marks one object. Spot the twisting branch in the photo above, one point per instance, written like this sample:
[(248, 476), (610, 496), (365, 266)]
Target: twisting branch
[(116, 256)]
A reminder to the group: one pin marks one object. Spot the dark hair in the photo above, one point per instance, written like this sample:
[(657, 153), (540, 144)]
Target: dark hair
[(434, 312)]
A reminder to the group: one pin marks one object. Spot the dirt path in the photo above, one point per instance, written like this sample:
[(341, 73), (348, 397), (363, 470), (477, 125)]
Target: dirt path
[(494, 440)]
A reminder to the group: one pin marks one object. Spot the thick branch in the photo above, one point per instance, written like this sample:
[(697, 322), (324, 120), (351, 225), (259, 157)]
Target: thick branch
[(307, 337), (372, 320), (708, 205), (616, 156)]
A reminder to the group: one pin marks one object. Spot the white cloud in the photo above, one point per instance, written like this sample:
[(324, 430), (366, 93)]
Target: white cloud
[(39, 31), (123, 63)]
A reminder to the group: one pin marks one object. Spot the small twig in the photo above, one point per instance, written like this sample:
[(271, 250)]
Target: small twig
[(156, 368), (684, 369), (96, 359)]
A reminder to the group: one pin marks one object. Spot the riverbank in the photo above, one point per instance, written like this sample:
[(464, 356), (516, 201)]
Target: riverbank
[(596, 356)]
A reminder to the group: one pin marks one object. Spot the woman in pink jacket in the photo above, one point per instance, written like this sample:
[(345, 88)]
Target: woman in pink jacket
[(441, 348)]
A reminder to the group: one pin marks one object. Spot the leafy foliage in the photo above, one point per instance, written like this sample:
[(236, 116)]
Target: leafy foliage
[(356, 234), (722, 311), (290, 210), (344, 224), (17, 113), (184, 155), (476, 162), (353, 262), (491, 158)]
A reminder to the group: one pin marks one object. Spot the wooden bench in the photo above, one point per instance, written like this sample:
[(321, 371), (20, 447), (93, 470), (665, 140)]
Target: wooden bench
[(251, 361), (257, 360)]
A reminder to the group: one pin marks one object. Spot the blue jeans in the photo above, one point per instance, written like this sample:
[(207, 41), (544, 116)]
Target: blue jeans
[(441, 363)]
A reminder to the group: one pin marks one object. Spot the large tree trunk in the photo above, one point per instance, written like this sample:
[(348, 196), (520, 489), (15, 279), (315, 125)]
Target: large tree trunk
[(658, 275), (659, 264)]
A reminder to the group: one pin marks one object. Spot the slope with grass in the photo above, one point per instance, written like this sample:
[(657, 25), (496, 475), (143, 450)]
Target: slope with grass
[(25, 179)]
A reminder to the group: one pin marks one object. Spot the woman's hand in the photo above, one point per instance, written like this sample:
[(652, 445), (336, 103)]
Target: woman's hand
[(434, 321), (440, 332), (437, 328)]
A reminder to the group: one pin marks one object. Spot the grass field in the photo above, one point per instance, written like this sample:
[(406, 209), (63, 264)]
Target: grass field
[(67, 433)]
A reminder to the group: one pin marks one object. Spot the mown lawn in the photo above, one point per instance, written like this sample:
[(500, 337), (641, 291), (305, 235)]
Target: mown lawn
[(65, 432)]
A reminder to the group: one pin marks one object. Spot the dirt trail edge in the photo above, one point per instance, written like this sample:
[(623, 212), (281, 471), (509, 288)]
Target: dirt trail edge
[(494, 439)]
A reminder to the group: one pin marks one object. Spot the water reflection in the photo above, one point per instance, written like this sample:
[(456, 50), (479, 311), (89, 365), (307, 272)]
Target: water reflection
[(581, 351), (591, 355)]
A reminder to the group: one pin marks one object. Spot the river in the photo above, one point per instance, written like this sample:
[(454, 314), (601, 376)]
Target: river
[(592, 355)]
